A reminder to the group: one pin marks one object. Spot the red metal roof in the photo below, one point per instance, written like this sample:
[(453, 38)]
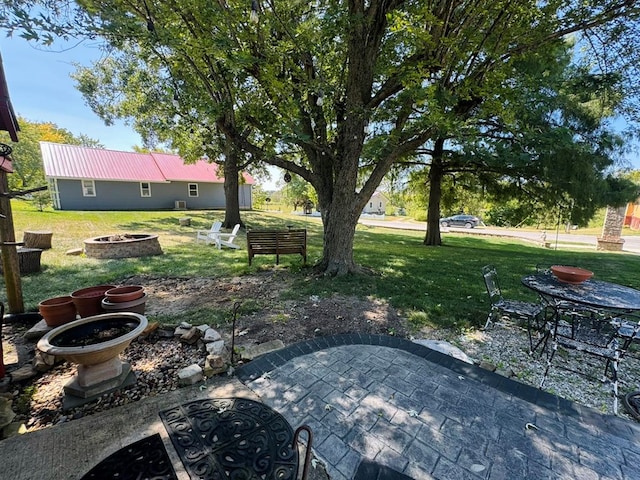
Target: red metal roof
[(174, 169), (72, 161)]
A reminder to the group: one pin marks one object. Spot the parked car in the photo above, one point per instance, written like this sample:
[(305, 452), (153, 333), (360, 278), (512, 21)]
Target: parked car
[(466, 221)]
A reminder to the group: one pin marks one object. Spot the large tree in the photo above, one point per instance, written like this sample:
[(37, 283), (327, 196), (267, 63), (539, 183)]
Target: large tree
[(540, 134), (325, 88)]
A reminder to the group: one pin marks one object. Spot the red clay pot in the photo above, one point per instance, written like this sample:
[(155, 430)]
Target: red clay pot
[(124, 294), (57, 311), (88, 300)]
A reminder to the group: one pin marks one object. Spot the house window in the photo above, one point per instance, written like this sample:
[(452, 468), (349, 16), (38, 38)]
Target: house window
[(380, 204), (193, 189), (145, 189), (88, 188), (370, 204)]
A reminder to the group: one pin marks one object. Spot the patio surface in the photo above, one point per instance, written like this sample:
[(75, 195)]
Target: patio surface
[(378, 398)]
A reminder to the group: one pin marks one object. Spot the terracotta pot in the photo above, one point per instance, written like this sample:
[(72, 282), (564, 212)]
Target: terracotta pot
[(88, 300), (570, 274), (124, 294), (58, 310), (135, 306)]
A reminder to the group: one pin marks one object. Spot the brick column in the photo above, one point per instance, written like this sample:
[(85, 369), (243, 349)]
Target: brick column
[(612, 230)]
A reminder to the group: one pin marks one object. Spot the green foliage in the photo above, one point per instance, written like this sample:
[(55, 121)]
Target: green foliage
[(23, 402), (27, 158), (41, 200)]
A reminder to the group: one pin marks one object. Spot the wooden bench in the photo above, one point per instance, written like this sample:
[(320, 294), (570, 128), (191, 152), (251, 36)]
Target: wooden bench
[(277, 242)]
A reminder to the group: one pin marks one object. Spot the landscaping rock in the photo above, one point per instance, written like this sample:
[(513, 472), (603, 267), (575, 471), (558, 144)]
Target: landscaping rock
[(203, 328), (74, 251), (6, 413), (180, 330), (214, 365), (446, 348), (506, 372), (37, 331), (215, 348), (252, 351), (211, 335), (23, 373), (191, 337), (487, 366), (43, 361), (190, 375)]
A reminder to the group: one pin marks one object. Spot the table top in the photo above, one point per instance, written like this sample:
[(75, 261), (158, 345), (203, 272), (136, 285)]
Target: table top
[(595, 293), (232, 438)]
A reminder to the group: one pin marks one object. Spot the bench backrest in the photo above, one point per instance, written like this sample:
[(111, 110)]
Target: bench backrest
[(277, 238)]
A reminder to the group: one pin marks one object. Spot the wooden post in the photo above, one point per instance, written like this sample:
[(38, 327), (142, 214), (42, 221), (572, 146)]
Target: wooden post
[(10, 265)]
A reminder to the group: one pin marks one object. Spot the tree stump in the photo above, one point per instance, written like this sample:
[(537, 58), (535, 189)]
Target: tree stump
[(33, 239), (185, 221), (28, 260)]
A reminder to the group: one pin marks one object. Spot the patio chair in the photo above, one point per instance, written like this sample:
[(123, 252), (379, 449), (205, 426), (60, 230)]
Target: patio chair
[(209, 236), (226, 239), (597, 335), (527, 312)]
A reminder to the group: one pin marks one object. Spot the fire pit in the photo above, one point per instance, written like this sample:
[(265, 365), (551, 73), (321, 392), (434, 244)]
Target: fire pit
[(95, 343), (122, 246)]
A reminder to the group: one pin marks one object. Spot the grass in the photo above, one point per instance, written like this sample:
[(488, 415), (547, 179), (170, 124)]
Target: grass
[(436, 286)]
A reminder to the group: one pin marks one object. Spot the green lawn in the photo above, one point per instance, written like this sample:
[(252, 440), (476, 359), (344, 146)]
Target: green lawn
[(440, 286)]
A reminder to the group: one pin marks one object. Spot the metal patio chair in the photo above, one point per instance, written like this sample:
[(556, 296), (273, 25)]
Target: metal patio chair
[(527, 312), (597, 335)]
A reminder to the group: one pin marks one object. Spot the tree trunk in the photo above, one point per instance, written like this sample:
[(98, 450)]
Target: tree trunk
[(339, 234), (340, 208), (231, 190), (436, 172)]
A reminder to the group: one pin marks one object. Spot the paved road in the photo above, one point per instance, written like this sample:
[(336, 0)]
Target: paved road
[(631, 243)]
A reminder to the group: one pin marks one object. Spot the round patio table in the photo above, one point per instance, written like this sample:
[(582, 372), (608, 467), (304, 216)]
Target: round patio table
[(592, 293)]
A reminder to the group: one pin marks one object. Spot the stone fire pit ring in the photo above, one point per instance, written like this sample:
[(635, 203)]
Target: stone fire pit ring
[(122, 246)]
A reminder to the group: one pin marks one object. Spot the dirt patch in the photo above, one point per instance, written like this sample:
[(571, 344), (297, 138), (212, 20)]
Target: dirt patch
[(271, 317)]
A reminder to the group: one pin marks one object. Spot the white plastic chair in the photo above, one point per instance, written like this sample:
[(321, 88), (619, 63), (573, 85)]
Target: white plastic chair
[(209, 236), (226, 239)]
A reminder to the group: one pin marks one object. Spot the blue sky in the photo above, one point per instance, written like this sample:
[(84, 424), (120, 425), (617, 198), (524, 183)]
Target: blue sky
[(41, 90)]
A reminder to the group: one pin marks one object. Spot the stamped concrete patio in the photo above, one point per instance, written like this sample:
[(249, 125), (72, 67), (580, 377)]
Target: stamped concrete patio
[(377, 398)]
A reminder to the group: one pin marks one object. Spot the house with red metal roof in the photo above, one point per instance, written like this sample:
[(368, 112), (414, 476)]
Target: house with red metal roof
[(83, 178)]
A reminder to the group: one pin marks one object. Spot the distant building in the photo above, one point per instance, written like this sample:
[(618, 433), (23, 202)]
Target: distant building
[(632, 215), (82, 178), (377, 204)]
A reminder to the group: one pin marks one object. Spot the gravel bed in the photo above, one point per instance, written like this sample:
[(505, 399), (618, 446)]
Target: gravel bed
[(506, 346), (155, 362)]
